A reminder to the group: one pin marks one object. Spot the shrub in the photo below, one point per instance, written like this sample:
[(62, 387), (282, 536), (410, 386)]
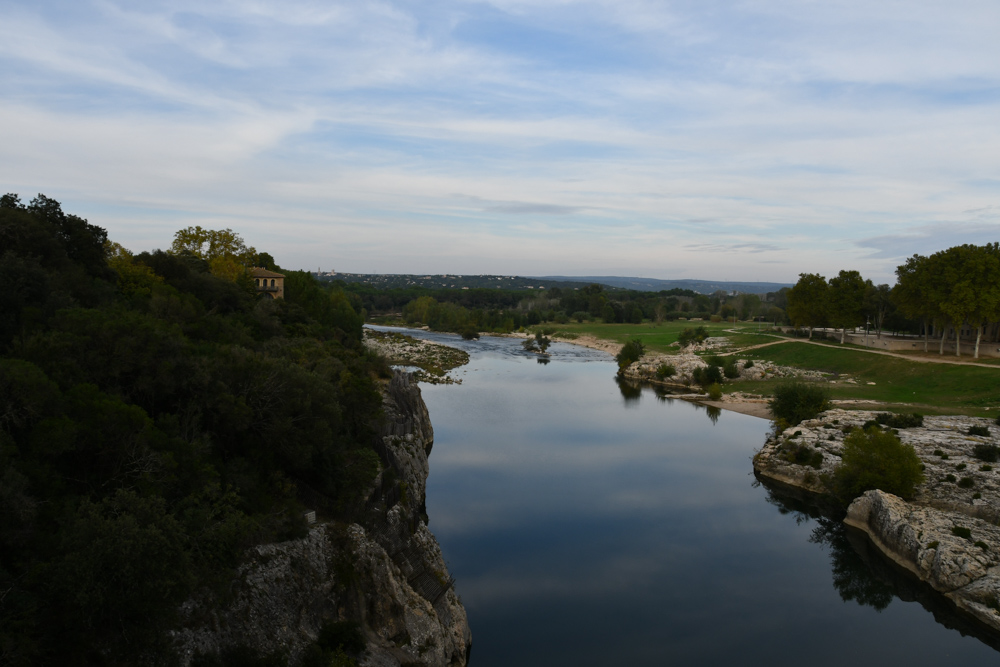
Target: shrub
[(470, 334), (966, 483), (985, 467), (877, 459), (911, 420), (730, 369), (796, 401), (997, 421), (665, 371), (707, 375), (988, 453), (714, 391), (715, 360), (631, 351), (748, 364), (689, 336), (982, 545), (950, 478), (979, 430), (580, 315), (803, 455), (960, 466), (961, 531), (933, 545)]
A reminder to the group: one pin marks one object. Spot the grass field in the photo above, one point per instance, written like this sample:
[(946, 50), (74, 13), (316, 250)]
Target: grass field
[(658, 337), (927, 387)]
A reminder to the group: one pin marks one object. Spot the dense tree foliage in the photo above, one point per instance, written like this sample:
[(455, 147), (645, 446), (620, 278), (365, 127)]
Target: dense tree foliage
[(156, 419), (876, 459)]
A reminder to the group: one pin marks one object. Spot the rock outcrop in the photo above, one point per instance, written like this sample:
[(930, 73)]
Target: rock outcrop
[(385, 571), (947, 535)]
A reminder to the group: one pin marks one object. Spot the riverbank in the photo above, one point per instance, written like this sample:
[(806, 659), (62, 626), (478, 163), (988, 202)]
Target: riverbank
[(947, 535)]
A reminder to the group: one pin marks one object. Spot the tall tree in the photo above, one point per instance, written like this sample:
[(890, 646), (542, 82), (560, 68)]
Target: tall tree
[(847, 298), (912, 293), (807, 301), (969, 291), (228, 256)]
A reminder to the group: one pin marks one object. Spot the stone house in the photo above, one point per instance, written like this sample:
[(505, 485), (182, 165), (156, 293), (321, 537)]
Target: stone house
[(268, 282)]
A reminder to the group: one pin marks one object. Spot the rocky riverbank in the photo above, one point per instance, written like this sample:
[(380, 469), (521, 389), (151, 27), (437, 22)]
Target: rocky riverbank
[(429, 362), (947, 535), (385, 572)]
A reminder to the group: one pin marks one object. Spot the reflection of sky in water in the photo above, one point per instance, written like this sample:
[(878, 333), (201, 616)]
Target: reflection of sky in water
[(584, 533)]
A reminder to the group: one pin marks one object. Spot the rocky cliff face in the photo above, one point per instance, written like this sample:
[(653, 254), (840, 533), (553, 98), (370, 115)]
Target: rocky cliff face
[(386, 571)]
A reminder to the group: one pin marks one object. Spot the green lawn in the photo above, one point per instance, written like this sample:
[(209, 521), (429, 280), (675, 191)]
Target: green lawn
[(658, 337), (940, 388)]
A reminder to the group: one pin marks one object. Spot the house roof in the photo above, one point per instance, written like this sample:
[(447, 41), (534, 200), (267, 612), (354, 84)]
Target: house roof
[(257, 272)]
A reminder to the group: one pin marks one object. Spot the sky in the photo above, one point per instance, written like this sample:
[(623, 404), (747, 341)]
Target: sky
[(740, 140)]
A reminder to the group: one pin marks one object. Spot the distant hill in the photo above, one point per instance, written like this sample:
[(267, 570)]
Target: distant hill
[(655, 285), (397, 280), (403, 280)]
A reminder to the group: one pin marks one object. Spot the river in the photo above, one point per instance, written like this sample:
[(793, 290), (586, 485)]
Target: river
[(592, 524)]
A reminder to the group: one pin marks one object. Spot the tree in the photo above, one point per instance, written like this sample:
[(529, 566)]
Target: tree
[(968, 290), (846, 299), (877, 459), (797, 401), (631, 352), (878, 304), (228, 256), (807, 301), (912, 293)]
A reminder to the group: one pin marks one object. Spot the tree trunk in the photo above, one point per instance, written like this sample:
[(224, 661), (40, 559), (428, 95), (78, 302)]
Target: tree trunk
[(944, 332), (843, 333), (810, 333), (979, 334), (927, 335), (958, 340)]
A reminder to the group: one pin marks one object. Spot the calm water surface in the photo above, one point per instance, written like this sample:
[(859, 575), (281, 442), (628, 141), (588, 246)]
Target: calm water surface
[(585, 527)]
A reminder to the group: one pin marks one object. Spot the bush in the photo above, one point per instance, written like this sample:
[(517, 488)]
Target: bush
[(876, 459), (707, 375), (715, 360), (796, 401), (689, 336), (987, 453), (911, 420), (665, 371), (803, 455), (714, 391), (966, 483), (730, 369), (979, 430), (632, 351), (470, 334), (748, 364), (961, 531), (580, 315)]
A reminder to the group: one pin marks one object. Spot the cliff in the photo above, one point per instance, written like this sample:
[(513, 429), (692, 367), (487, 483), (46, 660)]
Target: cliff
[(384, 572), (947, 535)]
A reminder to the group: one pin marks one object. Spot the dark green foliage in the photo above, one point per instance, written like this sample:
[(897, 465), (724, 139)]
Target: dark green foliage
[(748, 364), (876, 459), (147, 439), (912, 420), (714, 391), (665, 371), (985, 468), (797, 401), (707, 375), (979, 430), (631, 352), (691, 336), (966, 483), (961, 531), (988, 453), (714, 360), (730, 369), (950, 478), (803, 455)]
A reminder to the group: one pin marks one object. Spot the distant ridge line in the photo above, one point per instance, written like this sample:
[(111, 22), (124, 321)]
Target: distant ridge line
[(655, 284)]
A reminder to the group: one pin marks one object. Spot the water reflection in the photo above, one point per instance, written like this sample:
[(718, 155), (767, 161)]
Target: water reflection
[(713, 413), (584, 533), (862, 574), (544, 361), (630, 391)]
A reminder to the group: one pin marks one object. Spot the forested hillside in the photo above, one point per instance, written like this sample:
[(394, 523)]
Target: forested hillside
[(157, 417)]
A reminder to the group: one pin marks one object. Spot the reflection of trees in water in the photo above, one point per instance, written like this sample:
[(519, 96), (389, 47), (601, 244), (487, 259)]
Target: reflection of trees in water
[(862, 574), (713, 413), (543, 360), (631, 392)]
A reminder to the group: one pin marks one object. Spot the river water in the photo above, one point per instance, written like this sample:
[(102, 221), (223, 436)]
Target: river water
[(592, 524)]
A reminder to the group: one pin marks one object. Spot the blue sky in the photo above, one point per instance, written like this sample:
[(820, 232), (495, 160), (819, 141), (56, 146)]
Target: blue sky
[(747, 140)]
